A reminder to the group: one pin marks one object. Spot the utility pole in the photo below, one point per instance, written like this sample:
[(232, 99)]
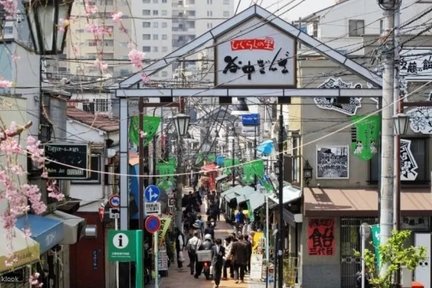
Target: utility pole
[(281, 232), (387, 132)]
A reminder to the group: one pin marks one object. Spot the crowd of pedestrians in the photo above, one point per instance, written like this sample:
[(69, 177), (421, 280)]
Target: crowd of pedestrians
[(228, 257)]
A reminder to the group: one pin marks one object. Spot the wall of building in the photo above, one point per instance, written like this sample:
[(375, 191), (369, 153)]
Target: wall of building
[(322, 270)]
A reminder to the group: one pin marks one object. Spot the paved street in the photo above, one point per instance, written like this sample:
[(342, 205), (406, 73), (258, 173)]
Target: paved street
[(178, 279)]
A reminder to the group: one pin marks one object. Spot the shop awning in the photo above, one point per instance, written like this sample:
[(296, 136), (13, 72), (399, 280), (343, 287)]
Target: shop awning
[(73, 226), (25, 249), (46, 231), (289, 193), (362, 202), (230, 194), (255, 200)]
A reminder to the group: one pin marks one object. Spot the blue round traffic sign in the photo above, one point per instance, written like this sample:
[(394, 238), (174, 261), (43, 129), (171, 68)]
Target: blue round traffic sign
[(152, 224), (114, 201), (151, 193)]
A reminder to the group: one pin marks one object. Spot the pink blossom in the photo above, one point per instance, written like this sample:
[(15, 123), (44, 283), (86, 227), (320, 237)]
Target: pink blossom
[(116, 17), (98, 30), (10, 7), (101, 65), (136, 57), (145, 78), (5, 84)]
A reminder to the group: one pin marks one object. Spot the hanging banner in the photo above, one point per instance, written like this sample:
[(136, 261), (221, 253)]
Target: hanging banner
[(408, 164), (150, 127), (321, 241), (367, 132), (252, 169), (375, 232)]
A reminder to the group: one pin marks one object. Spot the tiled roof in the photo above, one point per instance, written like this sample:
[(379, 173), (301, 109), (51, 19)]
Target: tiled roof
[(98, 121)]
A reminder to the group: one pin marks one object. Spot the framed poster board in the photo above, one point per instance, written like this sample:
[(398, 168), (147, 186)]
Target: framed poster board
[(332, 162), (67, 161)]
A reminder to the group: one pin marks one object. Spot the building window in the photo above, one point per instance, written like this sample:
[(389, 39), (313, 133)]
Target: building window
[(164, 1), (164, 49), (191, 13), (146, 12), (356, 28), (210, 2), (101, 105), (146, 1), (155, 24), (155, 12), (146, 37), (155, 49), (209, 25), (164, 24), (209, 13), (146, 24), (419, 150), (190, 2), (226, 2), (146, 48), (164, 37), (155, 36), (155, 1), (164, 12)]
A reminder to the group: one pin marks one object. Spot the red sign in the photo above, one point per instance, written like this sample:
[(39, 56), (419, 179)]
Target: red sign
[(152, 224), (253, 44), (101, 213), (321, 241)]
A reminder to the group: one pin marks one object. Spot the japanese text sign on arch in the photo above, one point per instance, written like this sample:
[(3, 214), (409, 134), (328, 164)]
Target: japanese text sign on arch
[(321, 240), (263, 56)]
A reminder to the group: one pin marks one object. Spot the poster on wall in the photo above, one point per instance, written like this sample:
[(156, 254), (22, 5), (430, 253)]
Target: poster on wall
[(420, 119), (408, 164), (332, 162), (321, 241)]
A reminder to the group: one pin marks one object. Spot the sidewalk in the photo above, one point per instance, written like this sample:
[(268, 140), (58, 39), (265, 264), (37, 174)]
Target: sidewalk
[(178, 279)]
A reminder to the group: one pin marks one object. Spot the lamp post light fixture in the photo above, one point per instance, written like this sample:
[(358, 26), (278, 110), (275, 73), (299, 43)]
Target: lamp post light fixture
[(181, 122), (400, 122), (48, 21), (307, 172)]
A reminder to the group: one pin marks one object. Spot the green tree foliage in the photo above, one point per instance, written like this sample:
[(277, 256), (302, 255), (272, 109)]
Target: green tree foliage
[(394, 253)]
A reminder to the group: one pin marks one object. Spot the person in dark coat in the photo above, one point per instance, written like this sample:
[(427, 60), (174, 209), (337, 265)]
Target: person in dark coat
[(218, 253), (248, 244), (239, 252), (179, 246)]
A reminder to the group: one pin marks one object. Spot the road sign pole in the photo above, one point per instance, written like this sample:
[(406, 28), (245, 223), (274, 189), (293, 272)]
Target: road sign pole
[(139, 259), (156, 257), (117, 263)]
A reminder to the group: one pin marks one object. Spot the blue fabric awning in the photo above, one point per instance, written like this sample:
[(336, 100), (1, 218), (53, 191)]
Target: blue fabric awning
[(46, 231)]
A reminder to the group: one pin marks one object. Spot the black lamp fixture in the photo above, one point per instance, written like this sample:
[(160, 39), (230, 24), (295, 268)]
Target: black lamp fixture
[(400, 122), (388, 4), (241, 108), (48, 24), (181, 122), (307, 172)]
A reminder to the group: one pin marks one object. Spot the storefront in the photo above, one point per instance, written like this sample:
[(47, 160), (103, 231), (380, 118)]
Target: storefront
[(330, 233)]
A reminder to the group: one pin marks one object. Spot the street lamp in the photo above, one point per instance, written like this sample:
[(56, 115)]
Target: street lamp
[(181, 123), (400, 122), (48, 24), (307, 172)]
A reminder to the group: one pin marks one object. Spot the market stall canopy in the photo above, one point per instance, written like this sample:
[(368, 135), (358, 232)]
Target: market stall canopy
[(255, 200), (74, 226), (266, 147), (289, 193), (231, 193), (25, 249)]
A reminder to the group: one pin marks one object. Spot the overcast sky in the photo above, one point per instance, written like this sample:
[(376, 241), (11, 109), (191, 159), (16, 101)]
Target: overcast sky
[(306, 7)]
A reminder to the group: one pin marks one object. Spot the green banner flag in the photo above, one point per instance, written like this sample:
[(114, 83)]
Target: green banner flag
[(252, 169), (150, 127), (367, 131), (375, 231), (166, 168), (228, 163)]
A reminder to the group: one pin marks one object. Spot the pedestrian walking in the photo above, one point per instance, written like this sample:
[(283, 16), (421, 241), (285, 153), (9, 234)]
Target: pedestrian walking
[(179, 245), (207, 244), (193, 244), (228, 258), (218, 253), (239, 252)]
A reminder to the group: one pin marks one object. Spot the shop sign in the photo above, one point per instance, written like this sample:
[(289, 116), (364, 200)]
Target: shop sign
[(17, 276), (321, 240), (263, 56), (69, 161), (416, 62)]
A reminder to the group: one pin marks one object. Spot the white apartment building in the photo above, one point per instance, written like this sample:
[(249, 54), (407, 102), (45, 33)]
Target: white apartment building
[(163, 26)]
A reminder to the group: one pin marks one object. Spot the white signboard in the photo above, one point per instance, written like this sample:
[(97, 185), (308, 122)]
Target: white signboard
[(416, 62), (422, 272), (256, 266), (255, 54), (152, 208)]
